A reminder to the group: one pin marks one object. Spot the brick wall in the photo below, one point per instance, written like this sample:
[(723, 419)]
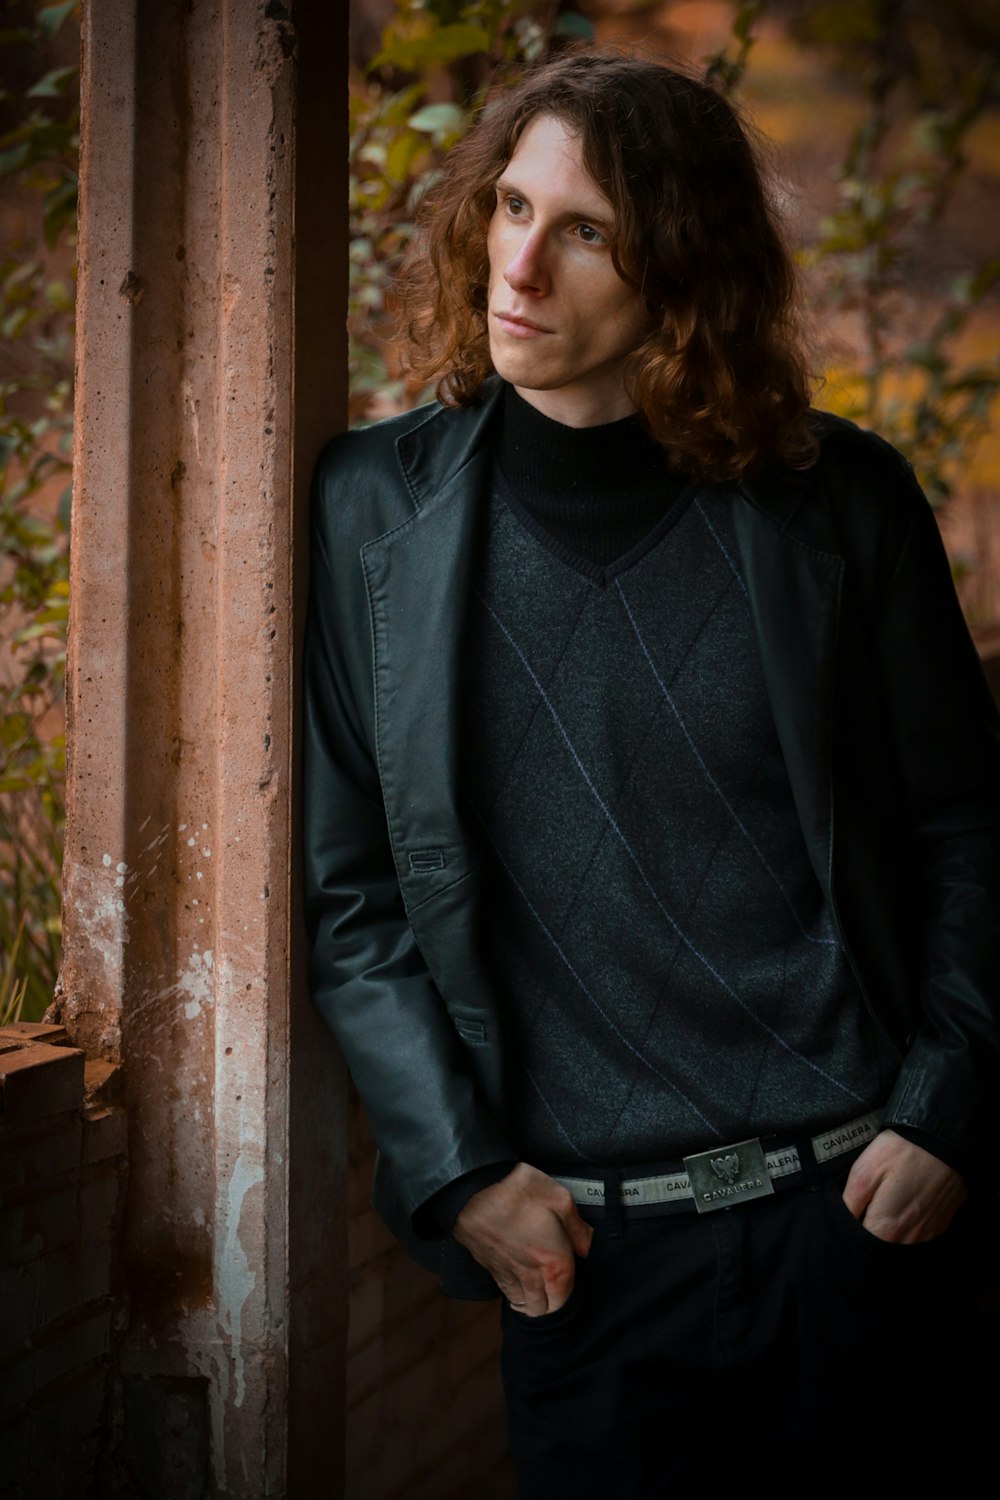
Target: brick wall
[(62, 1176), (424, 1406)]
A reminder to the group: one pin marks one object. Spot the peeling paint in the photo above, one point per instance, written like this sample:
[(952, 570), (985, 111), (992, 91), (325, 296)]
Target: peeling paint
[(235, 1280)]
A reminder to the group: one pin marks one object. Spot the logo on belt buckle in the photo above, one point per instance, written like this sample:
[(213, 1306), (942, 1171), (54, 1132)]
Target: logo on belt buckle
[(728, 1175)]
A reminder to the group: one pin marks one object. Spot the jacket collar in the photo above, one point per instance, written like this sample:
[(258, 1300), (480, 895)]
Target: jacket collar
[(439, 450)]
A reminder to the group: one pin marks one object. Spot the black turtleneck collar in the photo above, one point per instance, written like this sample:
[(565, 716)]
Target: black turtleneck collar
[(598, 491)]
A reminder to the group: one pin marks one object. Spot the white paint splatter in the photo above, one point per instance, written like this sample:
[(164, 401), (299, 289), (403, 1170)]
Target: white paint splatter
[(236, 1281), (192, 410), (106, 860), (196, 982)]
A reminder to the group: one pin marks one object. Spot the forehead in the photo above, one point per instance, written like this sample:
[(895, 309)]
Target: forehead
[(548, 158)]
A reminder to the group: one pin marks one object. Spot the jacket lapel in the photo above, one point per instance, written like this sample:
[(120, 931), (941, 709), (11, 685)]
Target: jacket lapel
[(419, 577), (794, 589)]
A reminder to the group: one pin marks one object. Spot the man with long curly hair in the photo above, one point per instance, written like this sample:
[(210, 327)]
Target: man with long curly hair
[(652, 813)]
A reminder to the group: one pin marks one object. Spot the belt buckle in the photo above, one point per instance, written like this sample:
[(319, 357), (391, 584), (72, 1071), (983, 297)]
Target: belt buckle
[(728, 1175)]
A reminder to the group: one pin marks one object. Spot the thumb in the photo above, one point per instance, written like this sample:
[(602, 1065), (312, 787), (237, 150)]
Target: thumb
[(858, 1192), (578, 1233)]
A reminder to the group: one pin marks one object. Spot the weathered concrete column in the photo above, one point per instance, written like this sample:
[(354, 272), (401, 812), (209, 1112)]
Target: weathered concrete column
[(213, 258)]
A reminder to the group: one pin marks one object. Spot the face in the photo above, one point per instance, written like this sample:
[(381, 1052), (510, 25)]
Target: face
[(562, 322)]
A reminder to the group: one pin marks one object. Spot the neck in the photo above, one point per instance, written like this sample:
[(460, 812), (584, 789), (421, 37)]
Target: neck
[(579, 408)]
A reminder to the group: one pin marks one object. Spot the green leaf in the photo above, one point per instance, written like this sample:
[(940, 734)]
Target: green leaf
[(58, 296), (13, 159), (52, 85), (400, 155), (438, 119), (52, 16), (575, 25), (444, 45), (59, 208), (14, 322)]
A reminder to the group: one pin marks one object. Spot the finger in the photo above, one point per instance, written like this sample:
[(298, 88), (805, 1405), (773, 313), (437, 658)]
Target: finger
[(535, 1300), (559, 1276), (578, 1232), (857, 1193)]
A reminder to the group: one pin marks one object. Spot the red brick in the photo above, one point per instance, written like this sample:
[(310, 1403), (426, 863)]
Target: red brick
[(36, 1081), (66, 1430), (364, 1436), (100, 1198), (367, 1237), (411, 1401), (364, 1372), (73, 1277), (473, 1408), (407, 1285), (39, 1224), (17, 1385), (366, 1304), (472, 1346), (102, 1081), (18, 1305), (416, 1339), (48, 1148), (105, 1133), (20, 1032), (14, 1438), (63, 1349)]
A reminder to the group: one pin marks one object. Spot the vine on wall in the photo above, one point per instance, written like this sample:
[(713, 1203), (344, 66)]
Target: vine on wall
[(39, 147)]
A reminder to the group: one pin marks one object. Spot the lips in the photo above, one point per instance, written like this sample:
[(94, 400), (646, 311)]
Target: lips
[(518, 326)]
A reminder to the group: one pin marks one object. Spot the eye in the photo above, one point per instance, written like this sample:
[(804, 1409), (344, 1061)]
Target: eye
[(514, 205), (590, 235)]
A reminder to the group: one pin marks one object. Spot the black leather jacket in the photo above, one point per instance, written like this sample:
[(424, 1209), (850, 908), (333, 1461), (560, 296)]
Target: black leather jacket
[(890, 737)]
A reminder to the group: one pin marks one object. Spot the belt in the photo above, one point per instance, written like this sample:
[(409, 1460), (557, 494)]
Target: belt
[(725, 1175)]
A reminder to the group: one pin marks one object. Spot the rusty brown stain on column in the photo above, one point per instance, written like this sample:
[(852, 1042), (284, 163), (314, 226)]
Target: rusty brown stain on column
[(212, 296)]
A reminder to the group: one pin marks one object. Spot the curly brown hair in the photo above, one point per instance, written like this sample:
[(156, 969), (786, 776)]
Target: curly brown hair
[(720, 379)]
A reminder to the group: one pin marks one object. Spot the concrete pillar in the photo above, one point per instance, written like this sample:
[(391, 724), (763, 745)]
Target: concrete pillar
[(213, 256)]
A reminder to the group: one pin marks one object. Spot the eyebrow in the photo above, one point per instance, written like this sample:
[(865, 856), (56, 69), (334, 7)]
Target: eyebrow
[(505, 185)]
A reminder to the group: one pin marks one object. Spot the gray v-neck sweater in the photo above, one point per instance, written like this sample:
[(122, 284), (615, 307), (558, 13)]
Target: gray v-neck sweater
[(671, 973)]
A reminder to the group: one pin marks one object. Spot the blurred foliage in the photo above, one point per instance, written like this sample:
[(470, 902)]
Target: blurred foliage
[(420, 94), (927, 83), (926, 79), (38, 157)]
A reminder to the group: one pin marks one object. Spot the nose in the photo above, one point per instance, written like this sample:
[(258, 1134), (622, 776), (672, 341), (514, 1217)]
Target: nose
[(526, 269)]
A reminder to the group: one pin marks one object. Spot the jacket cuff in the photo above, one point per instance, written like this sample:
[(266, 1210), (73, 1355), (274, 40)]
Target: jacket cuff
[(957, 1160), (435, 1219)]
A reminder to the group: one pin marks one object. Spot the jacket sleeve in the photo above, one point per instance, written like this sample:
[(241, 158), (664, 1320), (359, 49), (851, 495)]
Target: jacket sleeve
[(368, 977), (946, 740)]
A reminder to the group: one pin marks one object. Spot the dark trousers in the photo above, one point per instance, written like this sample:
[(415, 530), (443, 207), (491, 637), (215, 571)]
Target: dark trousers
[(778, 1339)]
